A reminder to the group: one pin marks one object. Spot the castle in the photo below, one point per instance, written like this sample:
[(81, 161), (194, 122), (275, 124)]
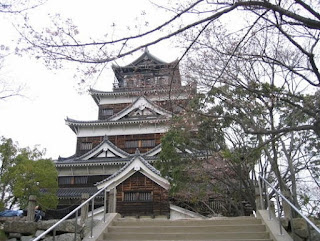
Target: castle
[(131, 121)]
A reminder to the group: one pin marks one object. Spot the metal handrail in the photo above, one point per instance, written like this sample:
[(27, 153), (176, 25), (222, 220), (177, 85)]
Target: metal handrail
[(287, 201), (52, 228)]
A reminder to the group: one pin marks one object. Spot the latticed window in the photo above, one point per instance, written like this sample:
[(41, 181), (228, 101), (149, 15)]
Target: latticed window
[(148, 143), (65, 180), (107, 112), (131, 144), (137, 196), (81, 180), (86, 146), (73, 180), (140, 143)]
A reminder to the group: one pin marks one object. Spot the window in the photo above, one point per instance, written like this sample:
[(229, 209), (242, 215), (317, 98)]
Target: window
[(73, 180), (140, 143), (147, 82), (148, 143), (65, 180), (137, 196), (107, 112), (86, 146), (81, 180), (131, 144)]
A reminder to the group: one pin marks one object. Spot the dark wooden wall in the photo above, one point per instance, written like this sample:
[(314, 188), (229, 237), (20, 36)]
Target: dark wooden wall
[(170, 105), (119, 141), (159, 205)]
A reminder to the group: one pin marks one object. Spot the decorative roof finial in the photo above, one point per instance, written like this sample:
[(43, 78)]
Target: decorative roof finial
[(137, 153), (106, 137)]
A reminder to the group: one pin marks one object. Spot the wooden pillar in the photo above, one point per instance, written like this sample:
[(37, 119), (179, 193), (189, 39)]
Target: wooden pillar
[(112, 201), (85, 208), (31, 206)]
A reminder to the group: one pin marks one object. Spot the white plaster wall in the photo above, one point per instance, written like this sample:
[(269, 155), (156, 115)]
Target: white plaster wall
[(90, 170), (86, 131)]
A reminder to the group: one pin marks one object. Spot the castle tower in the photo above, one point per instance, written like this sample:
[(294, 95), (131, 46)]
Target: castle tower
[(134, 116)]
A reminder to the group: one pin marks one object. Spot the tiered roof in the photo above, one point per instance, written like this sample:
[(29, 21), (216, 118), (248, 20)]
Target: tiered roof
[(106, 153), (139, 112)]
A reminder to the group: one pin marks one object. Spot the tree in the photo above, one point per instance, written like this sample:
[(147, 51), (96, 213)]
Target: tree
[(202, 169), (23, 173), (297, 22), (14, 6), (265, 101), (8, 88), (262, 76), (282, 34), (8, 151)]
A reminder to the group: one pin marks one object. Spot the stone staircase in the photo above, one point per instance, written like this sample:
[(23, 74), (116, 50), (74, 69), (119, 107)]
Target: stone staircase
[(226, 229)]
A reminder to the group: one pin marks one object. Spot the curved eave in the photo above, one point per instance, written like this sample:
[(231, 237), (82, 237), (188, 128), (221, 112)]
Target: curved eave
[(97, 93), (85, 163), (72, 122), (88, 163)]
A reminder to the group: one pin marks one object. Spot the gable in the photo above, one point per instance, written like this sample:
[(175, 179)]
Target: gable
[(105, 149), (137, 164), (146, 59), (141, 108)]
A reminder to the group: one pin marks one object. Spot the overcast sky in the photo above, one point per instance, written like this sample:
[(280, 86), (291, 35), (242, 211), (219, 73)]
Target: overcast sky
[(50, 96)]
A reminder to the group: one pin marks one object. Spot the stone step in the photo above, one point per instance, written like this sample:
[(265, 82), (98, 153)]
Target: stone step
[(187, 236), (206, 228), (195, 240), (155, 222), (216, 229)]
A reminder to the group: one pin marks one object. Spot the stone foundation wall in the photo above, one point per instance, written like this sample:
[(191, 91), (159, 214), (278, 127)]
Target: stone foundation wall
[(20, 230)]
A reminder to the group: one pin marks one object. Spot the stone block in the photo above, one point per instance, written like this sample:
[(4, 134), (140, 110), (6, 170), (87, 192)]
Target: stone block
[(23, 227), (49, 238), (315, 236), (303, 232), (39, 232), (14, 235), (68, 226), (299, 223), (63, 237), (285, 223), (26, 238)]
